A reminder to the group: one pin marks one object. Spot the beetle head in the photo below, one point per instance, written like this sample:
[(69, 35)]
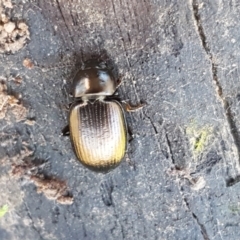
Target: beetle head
[(94, 80)]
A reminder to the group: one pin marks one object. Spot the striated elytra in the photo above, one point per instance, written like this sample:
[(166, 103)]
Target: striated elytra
[(97, 124)]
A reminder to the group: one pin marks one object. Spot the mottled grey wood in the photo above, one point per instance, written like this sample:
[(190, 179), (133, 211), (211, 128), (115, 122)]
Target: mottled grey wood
[(181, 58)]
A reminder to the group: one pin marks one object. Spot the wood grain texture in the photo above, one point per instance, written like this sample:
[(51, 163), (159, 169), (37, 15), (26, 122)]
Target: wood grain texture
[(180, 178)]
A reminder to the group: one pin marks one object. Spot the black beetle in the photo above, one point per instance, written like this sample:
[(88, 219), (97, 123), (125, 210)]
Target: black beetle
[(97, 124)]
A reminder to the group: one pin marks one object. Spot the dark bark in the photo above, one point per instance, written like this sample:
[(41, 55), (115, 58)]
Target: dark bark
[(180, 178)]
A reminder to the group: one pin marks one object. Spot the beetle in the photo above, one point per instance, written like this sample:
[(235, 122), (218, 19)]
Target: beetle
[(97, 123)]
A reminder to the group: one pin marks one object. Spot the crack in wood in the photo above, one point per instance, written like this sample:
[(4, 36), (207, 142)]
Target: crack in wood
[(202, 227), (120, 223), (169, 148), (155, 130), (65, 22), (33, 224), (125, 52), (226, 105), (233, 181), (195, 217), (151, 122)]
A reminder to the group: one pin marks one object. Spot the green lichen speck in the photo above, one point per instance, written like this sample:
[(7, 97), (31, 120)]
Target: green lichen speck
[(199, 137), (3, 210), (201, 141), (234, 208)]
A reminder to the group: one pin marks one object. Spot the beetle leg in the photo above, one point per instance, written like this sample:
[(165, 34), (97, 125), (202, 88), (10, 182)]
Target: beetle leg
[(130, 108), (130, 135), (66, 107), (65, 131), (119, 82)]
